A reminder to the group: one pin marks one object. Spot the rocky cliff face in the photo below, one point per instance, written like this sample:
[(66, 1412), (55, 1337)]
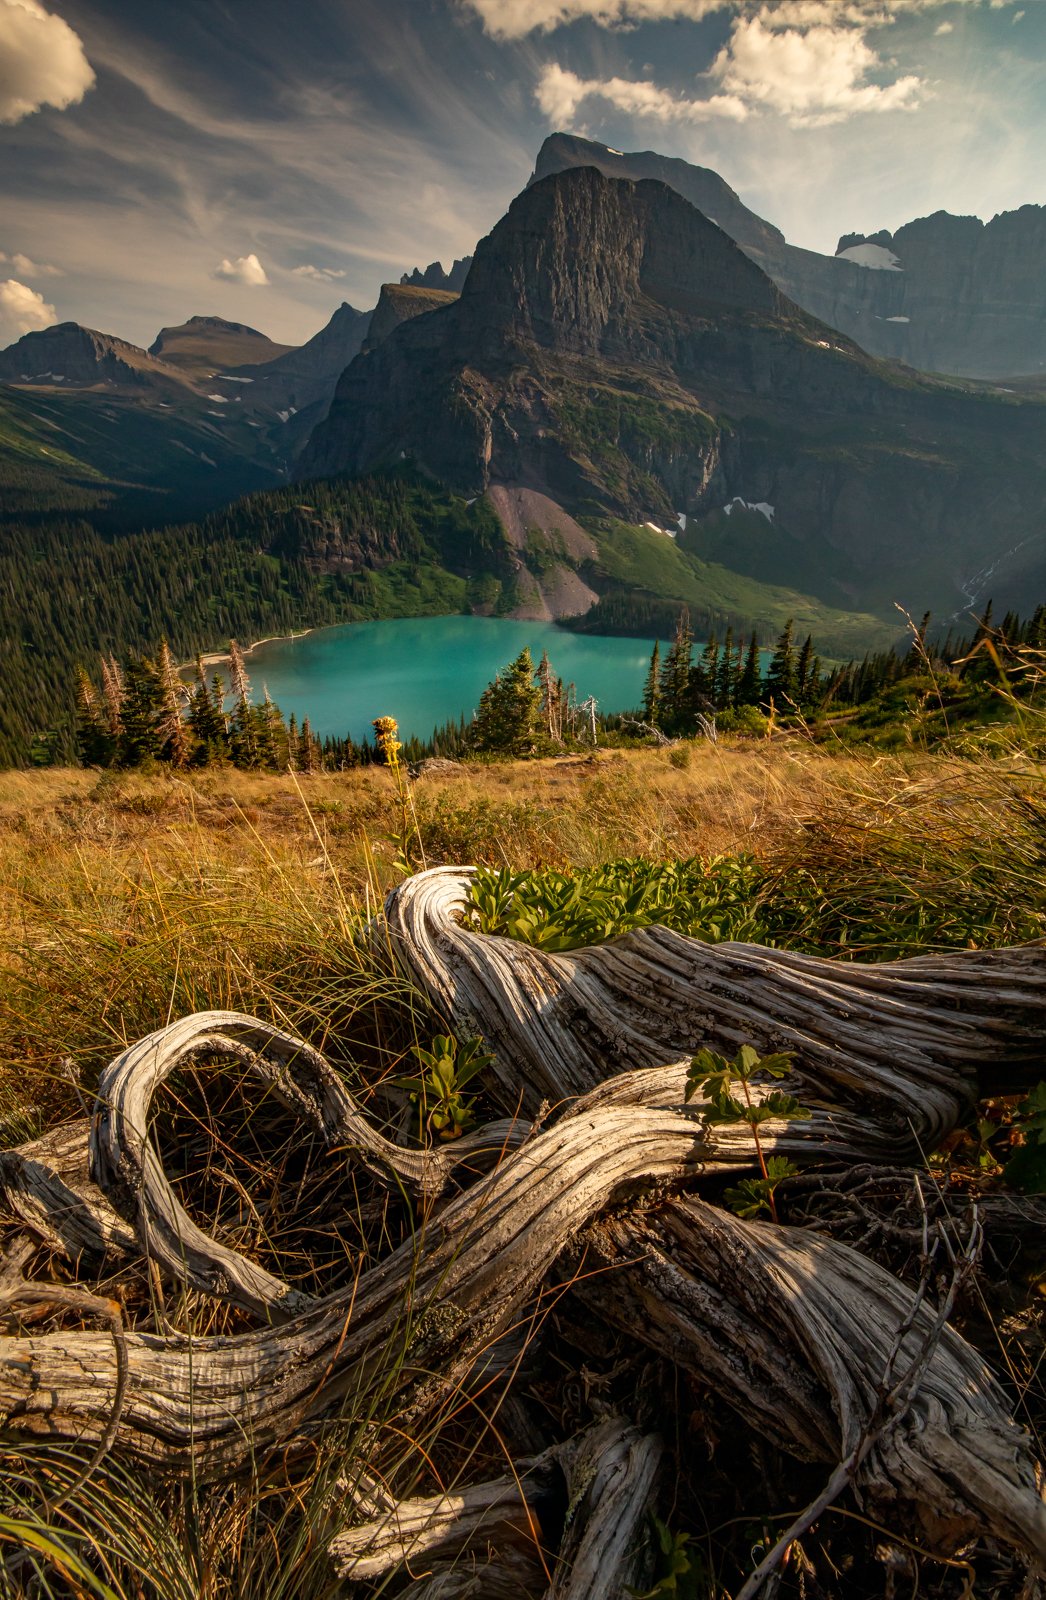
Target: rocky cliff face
[(301, 382), (399, 302), (434, 276), (960, 296), (70, 356), (612, 348)]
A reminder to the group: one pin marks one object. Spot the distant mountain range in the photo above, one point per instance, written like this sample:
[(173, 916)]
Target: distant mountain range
[(614, 351), (944, 294), (659, 398)]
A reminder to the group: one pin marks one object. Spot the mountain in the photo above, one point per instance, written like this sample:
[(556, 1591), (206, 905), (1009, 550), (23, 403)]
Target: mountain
[(399, 302), (70, 356), (90, 424), (944, 294), (434, 276), (616, 352), (290, 394), (205, 346)]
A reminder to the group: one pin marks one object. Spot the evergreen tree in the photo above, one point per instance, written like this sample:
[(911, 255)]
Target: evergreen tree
[(726, 676), (506, 718), (803, 670), (652, 687), (94, 742), (207, 718), (781, 684), (243, 732), (173, 734), (142, 712), (675, 675), (704, 677), (749, 684)]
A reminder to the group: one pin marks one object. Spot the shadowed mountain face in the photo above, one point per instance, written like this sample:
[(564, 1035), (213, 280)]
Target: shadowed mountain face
[(206, 346), (944, 294), (68, 356), (614, 350)]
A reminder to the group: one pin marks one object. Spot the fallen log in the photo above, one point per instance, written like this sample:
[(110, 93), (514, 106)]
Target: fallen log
[(897, 1043)]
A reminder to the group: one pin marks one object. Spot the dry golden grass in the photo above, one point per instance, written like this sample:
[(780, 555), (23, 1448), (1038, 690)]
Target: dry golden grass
[(127, 899)]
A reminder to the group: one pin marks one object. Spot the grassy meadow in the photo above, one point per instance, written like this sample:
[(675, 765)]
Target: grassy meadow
[(130, 899)]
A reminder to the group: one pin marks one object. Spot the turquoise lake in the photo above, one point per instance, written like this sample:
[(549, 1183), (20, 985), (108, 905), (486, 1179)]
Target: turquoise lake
[(428, 670)]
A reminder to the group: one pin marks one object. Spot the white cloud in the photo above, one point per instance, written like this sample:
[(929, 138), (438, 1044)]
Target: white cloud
[(42, 61), (1017, 15), (945, 27), (22, 310), (560, 92), (245, 269), (514, 19), (28, 268), (317, 274), (812, 77)]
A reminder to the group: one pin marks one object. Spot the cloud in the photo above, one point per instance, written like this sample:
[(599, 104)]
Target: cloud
[(812, 77), (514, 19), (22, 310), (30, 269), (945, 27), (317, 274), (245, 269), (42, 61), (560, 92)]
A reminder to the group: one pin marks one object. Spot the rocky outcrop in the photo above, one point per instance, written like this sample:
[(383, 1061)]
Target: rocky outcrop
[(302, 381), (399, 302), (69, 356), (961, 296), (204, 346), (614, 349), (434, 276)]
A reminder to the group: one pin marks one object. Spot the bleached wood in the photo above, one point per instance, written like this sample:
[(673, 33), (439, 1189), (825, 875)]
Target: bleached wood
[(892, 1048), (612, 1479)]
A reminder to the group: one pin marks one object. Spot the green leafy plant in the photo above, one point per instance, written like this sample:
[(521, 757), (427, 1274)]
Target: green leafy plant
[(727, 1087), (436, 1091), (1026, 1168)]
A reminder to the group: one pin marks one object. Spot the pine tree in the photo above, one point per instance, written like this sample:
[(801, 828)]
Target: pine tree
[(506, 718), (675, 675), (141, 713), (704, 677), (803, 669), (652, 688), (243, 733), (207, 718), (781, 685), (749, 684), (173, 734), (95, 744), (726, 676), (551, 699)]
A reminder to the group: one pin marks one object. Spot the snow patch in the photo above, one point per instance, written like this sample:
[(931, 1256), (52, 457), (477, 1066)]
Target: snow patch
[(875, 256), (216, 413), (762, 506), (655, 527), (611, 151), (285, 416), (898, 319), (228, 377), (681, 519), (219, 399)]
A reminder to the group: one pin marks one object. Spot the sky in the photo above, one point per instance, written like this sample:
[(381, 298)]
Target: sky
[(264, 160)]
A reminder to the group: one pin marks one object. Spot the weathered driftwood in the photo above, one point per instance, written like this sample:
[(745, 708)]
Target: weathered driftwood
[(413, 1534), (612, 1480), (46, 1184), (125, 1165), (898, 1043), (796, 1331), (437, 1302)]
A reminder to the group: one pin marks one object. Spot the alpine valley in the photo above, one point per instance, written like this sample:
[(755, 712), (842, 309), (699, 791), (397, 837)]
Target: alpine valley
[(635, 396)]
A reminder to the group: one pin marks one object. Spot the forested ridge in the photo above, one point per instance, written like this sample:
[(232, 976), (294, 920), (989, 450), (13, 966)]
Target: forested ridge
[(294, 557)]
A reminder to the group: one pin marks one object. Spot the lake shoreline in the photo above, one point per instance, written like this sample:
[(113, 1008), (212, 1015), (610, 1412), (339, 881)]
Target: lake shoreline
[(214, 658)]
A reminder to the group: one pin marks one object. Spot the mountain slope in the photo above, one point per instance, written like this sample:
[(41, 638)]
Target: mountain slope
[(615, 350), (204, 346), (961, 296), (75, 357)]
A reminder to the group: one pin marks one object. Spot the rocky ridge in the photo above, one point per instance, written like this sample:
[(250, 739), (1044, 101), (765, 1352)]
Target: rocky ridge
[(614, 350)]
